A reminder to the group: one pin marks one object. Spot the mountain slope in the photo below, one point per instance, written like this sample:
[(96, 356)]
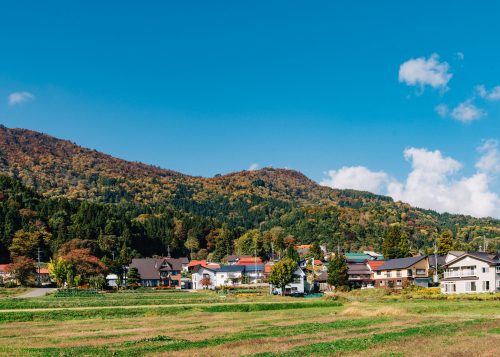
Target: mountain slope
[(89, 195)]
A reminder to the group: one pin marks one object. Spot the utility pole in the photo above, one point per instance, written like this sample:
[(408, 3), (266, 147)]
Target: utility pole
[(255, 264), (39, 277), (168, 250), (435, 261)]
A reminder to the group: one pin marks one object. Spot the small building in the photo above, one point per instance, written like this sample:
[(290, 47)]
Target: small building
[(253, 273), (203, 277), (296, 286), (113, 280), (397, 273), (471, 273), (160, 271), (4, 273), (359, 275), (321, 282), (229, 275)]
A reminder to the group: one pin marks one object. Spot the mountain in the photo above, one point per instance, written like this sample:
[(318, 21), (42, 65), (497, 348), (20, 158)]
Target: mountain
[(74, 192)]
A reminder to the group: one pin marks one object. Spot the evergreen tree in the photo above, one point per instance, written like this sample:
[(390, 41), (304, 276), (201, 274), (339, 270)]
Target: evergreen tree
[(338, 272), (133, 277), (292, 254), (445, 243), (403, 246), (316, 251)]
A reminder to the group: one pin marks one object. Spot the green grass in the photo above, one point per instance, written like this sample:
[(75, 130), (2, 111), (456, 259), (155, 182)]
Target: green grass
[(364, 343), (208, 323)]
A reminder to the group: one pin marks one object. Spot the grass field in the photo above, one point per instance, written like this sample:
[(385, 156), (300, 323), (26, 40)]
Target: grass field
[(207, 324)]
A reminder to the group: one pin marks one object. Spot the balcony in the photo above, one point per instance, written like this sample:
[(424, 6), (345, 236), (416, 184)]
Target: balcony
[(459, 273)]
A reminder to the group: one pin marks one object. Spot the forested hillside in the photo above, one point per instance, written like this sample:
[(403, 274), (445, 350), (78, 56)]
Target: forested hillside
[(53, 191)]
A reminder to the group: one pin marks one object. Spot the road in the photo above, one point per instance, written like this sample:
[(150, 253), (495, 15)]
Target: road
[(36, 293)]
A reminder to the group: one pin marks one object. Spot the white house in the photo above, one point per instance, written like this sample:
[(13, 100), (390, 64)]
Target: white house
[(296, 286), (472, 273), (203, 278), (229, 275)]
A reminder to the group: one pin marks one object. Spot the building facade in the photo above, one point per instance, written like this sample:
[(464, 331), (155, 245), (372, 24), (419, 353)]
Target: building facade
[(473, 272), (397, 273)]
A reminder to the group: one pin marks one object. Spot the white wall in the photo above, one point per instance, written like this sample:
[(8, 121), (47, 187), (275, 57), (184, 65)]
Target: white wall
[(197, 277), (462, 285)]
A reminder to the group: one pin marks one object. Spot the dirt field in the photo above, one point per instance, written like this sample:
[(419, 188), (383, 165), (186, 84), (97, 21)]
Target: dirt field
[(207, 324)]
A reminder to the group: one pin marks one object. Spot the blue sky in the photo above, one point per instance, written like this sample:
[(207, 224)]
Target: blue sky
[(213, 87)]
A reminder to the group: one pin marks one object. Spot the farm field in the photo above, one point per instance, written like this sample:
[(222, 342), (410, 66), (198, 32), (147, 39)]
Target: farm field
[(208, 324)]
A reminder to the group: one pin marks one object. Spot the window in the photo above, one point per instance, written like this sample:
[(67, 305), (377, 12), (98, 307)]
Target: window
[(379, 273), (485, 269), (470, 286), (450, 288), (420, 271), (409, 272), (398, 273), (398, 282), (486, 285), (381, 283), (389, 274)]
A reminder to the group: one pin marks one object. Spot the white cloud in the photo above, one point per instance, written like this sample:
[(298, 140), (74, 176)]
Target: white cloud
[(459, 56), (434, 182), (422, 72), (489, 162), (467, 112), (492, 95), (253, 167), (357, 178), (442, 110), (19, 97)]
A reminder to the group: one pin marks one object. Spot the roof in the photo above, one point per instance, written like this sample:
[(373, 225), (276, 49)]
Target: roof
[(176, 263), (245, 260), (322, 277), (230, 269), (441, 260), (358, 269), (485, 257), (4, 268), (267, 268), (197, 268), (251, 267), (400, 263), (318, 262), (456, 253), (303, 246), (357, 257), (375, 263), (147, 267), (203, 263), (44, 271)]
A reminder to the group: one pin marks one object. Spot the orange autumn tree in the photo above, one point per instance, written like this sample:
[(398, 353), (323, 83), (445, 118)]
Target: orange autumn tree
[(75, 264)]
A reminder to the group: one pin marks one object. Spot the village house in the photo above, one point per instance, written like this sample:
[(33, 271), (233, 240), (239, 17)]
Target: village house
[(4, 273), (359, 275), (160, 271), (471, 272), (397, 273), (298, 285), (203, 277), (229, 275)]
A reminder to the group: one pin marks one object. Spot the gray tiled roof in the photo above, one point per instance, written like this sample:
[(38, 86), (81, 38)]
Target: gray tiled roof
[(230, 268), (400, 263), (487, 257)]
